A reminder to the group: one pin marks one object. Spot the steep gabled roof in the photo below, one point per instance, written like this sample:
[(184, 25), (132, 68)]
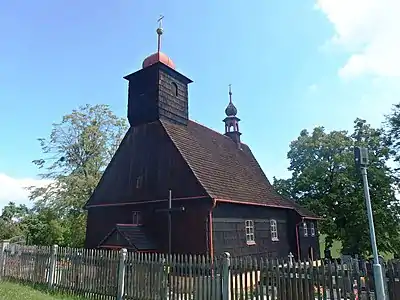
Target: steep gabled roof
[(225, 171)]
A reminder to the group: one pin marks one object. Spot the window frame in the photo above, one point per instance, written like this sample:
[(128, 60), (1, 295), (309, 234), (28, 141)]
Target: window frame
[(174, 88), (137, 218), (273, 224), (250, 232), (312, 229), (305, 229)]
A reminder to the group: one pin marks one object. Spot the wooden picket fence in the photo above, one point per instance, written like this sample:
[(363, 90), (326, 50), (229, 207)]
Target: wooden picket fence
[(107, 274)]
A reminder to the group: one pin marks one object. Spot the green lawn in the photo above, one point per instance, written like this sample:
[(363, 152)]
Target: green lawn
[(12, 291), (337, 247)]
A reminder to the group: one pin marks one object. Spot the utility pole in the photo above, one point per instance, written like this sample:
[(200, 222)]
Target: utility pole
[(361, 159)]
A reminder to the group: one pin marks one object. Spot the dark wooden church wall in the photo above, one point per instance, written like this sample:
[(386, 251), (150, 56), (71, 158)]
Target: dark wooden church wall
[(157, 92), (309, 241), (173, 98), (229, 230), (142, 97), (188, 227), (293, 219), (172, 172), (305, 243), (145, 167), (101, 220)]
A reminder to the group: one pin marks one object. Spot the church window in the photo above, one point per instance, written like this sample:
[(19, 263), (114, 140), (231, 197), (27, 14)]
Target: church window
[(312, 229), (249, 225), (137, 218), (274, 230), (174, 89), (305, 229)]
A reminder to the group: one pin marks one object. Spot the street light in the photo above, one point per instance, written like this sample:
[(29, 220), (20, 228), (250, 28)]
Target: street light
[(361, 160)]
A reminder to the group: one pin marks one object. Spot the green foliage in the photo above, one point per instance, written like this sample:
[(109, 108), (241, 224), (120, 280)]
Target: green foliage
[(12, 221), (44, 228), (325, 179), (392, 126), (74, 157)]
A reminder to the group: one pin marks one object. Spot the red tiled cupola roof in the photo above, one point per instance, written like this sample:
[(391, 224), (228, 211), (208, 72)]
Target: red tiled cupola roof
[(158, 57)]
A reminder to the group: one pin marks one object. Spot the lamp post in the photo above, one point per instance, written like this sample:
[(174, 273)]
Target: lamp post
[(361, 160)]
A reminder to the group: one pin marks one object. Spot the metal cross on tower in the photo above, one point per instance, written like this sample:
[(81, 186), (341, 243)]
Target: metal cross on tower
[(169, 211)]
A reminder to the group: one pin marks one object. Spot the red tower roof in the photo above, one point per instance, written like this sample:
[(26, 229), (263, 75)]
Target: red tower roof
[(158, 57)]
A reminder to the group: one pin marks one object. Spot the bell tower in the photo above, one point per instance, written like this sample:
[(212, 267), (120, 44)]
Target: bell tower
[(158, 91)]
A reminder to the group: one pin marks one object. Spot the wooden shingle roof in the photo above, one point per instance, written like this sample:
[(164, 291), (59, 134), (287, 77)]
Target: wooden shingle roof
[(225, 171), (129, 236)]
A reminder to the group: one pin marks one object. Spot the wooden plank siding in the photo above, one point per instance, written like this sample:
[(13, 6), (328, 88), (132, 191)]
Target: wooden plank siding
[(146, 154), (229, 230)]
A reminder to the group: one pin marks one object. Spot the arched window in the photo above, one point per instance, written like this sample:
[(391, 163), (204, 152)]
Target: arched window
[(274, 230), (174, 89), (312, 229)]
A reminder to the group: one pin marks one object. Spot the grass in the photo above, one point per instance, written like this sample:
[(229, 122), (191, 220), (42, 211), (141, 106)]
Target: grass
[(337, 248), (13, 291)]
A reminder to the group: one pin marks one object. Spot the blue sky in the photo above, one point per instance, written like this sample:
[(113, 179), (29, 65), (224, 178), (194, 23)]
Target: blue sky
[(292, 65)]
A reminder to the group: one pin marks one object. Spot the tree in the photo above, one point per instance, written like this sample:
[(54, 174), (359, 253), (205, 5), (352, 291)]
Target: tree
[(392, 127), (325, 179), (74, 157), (45, 228), (12, 221)]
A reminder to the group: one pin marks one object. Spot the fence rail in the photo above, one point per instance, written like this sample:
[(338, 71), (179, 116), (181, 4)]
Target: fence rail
[(107, 274)]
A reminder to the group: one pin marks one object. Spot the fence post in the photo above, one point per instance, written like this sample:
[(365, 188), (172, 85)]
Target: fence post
[(385, 278), (225, 276), (291, 256), (165, 279), (53, 264), (121, 274), (3, 246)]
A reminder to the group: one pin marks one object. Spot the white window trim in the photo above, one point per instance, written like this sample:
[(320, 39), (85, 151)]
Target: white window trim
[(136, 218), (312, 229), (249, 231), (305, 229), (274, 230)]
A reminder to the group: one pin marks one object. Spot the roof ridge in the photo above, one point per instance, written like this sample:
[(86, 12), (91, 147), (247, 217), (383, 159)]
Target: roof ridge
[(184, 158), (124, 236), (215, 131)]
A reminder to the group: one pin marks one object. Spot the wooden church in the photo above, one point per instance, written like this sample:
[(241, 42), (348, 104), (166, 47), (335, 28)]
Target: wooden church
[(177, 186)]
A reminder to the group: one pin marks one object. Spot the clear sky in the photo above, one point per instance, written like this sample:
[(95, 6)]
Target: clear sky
[(292, 65)]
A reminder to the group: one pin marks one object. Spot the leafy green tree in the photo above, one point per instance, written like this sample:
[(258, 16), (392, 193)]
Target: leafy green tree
[(74, 157), (325, 179), (392, 127), (12, 221), (45, 228)]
